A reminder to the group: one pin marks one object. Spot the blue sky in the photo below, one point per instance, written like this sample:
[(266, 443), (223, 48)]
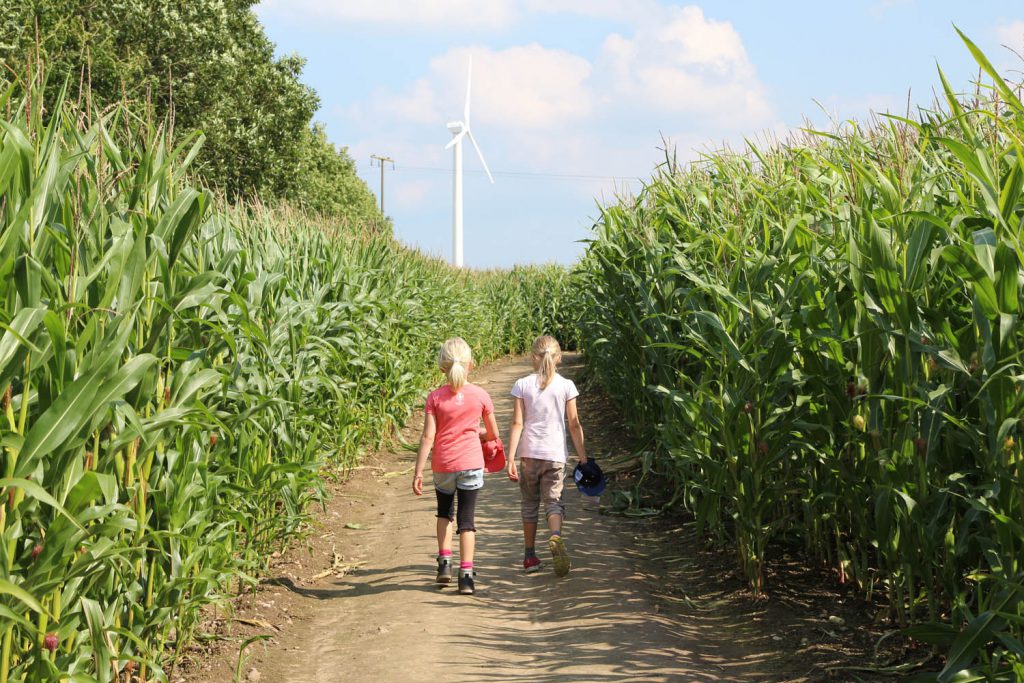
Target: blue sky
[(572, 98)]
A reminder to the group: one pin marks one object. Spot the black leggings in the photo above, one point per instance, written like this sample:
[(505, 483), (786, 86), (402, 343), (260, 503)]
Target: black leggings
[(467, 508)]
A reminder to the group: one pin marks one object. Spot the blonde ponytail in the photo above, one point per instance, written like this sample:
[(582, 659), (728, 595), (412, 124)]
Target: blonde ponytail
[(546, 356), (457, 375), (455, 359)]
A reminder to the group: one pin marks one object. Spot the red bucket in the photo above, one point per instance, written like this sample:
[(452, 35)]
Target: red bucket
[(494, 456)]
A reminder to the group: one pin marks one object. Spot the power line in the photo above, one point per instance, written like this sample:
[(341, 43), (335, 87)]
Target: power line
[(525, 174)]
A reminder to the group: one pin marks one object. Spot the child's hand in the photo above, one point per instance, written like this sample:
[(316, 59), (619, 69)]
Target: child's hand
[(417, 484), (513, 473)]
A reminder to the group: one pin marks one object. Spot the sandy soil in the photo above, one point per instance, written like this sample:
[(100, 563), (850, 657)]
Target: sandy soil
[(645, 600)]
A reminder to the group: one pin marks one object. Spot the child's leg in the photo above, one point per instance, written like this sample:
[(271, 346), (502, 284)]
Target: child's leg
[(529, 534), (550, 485), (551, 494), (467, 526), (529, 490), (444, 536), (445, 514), (467, 546)]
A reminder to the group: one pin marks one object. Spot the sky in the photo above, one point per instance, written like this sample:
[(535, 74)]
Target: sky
[(574, 102)]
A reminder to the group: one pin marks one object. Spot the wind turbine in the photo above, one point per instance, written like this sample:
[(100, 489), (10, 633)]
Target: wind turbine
[(460, 130)]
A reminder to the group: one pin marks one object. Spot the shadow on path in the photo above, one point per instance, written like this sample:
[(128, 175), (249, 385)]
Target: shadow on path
[(621, 614)]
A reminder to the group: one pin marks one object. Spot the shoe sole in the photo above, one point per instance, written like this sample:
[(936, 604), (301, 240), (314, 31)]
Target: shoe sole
[(560, 556), (532, 570), (443, 579)]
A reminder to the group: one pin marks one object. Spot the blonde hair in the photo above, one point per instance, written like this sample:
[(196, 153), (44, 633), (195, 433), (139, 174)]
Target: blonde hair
[(454, 359), (546, 355)]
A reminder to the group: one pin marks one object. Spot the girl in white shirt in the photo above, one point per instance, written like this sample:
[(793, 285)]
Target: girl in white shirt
[(544, 402)]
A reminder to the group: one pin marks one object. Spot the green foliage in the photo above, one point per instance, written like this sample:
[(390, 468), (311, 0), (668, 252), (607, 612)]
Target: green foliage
[(533, 300), (207, 65), (328, 183), (821, 341), (176, 378)]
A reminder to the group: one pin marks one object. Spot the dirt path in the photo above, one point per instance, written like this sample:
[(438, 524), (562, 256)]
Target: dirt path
[(627, 611)]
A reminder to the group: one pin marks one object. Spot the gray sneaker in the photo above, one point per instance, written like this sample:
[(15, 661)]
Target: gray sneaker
[(466, 584), (444, 570)]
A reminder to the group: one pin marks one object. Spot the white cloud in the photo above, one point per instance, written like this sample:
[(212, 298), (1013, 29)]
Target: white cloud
[(630, 12), (418, 104), (545, 110), (412, 193), (1011, 34), (525, 86), (486, 14), (406, 152), (687, 63), (699, 41)]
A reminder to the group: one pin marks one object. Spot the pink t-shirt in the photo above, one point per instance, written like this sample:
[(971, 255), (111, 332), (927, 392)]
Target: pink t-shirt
[(544, 419), (457, 440)]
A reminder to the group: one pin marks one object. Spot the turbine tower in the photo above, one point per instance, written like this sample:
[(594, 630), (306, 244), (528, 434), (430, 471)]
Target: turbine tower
[(460, 130)]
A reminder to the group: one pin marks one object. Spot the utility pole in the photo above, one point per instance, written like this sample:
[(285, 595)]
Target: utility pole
[(381, 160)]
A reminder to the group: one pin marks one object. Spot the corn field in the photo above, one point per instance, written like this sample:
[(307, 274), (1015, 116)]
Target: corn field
[(177, 378), (821, 342)]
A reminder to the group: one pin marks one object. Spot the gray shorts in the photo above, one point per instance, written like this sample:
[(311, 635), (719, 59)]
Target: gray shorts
[(541, 481), (467, 480)]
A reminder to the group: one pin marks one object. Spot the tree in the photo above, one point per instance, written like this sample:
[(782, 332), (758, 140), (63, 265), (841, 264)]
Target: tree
[(330, 184), (205, 65)]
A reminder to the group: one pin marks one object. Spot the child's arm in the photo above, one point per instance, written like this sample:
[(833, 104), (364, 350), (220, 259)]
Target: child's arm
[(515, 433), (491, 427), (575, 429), (426, 442)]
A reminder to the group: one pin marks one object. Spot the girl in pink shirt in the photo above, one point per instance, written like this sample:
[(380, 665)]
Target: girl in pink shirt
[(451, 430)]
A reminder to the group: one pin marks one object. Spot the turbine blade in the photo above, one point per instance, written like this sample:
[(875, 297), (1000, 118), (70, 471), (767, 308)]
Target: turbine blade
[(456, 139), (469, 84), (480, 154)]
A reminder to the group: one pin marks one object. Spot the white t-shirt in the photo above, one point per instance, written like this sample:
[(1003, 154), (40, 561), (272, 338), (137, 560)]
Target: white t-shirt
[(544, 416)]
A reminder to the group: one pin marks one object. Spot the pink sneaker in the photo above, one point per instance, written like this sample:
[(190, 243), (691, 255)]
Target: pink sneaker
[(531, 564)]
